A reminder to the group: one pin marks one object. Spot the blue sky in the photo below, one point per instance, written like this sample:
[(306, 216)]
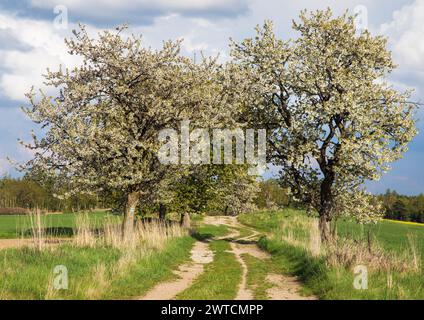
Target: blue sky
[(32, 33)]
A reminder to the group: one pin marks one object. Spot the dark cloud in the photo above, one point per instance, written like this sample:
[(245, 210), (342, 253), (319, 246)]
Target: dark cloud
[(141, 13)]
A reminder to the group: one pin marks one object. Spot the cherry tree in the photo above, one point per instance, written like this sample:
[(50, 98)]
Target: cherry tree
[(101, 131), (333, 119)]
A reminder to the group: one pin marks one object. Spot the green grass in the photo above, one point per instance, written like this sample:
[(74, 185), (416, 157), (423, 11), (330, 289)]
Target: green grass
[(196, 218), (264, 221), (28, 274), (336, 282), (14, 226), (220, 279), (209, 231), (390, 235), (244, 232), (258, 269)]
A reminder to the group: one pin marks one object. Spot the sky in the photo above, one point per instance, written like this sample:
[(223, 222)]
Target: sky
[(32, 36)]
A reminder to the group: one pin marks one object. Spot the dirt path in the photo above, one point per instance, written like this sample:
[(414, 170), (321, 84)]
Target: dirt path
[(14, 243), (283, 287), (244, 293), (19, 242), (234, 226), (187, 273)]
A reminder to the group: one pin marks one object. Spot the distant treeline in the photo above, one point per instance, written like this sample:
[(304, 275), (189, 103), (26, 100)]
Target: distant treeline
[(401, 207), (28, 193), (397, 206)]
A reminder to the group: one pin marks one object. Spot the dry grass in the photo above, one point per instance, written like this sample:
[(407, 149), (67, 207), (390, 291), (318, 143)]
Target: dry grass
[(315, 238), (349, 253), (37, 229), (84, 235), (414, 252), (147, 238), (153, 234), (88, 233), (97, 288), (303, 232)]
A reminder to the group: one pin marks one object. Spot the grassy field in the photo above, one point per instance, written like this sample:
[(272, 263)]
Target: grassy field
[(120, 272), (207, 231), (99, 266), (392, 235), (94, 273), (14, 226), (288, 240), (100, 271)]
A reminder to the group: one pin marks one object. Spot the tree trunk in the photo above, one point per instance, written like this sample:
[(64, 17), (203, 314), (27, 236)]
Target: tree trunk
[(162, 212), (324, 227), (129, 214), (185, 220), (226, 211), (326, 206)]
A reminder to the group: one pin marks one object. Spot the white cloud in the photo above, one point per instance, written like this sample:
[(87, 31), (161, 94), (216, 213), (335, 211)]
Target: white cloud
[(43, 47), (39, 45), (198, 34), (128, 4), (405, 34)]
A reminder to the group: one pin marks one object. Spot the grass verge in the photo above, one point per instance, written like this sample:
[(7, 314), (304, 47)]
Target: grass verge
[(209, 231), (258, 269), (220, 279)]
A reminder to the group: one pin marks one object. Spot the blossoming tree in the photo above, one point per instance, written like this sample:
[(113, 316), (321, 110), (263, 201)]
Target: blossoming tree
[(101, 130), (333, 120)]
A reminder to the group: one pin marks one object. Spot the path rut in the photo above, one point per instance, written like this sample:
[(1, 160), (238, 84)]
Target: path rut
[(187, 274), (283, 287)]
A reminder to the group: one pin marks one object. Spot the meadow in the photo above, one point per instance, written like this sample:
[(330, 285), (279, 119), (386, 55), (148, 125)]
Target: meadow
[(392, 252), (392, 235), (15, 226), (99, 265)]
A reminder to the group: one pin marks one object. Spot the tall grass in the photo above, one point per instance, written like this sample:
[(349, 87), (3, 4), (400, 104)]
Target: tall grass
[(302, 231), (328, 269), (150, 235), (101, 264), (37, 229)]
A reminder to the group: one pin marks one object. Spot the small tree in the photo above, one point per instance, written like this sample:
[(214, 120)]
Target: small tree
[(271, 195), (101, 131), (333, 121), (225, 188)]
